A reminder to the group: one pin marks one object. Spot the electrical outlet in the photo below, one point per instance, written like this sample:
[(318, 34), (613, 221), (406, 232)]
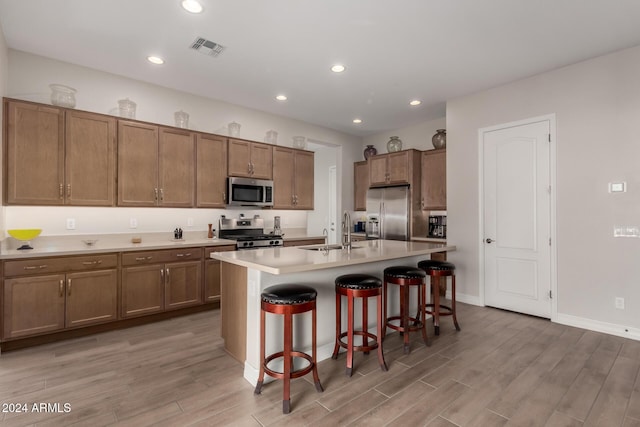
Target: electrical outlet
[(71, 223), (620, 303), (189, 222), (133, 223)]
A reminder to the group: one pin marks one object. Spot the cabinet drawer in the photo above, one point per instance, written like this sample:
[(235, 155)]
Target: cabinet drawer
[(153, 257), (58, 265)]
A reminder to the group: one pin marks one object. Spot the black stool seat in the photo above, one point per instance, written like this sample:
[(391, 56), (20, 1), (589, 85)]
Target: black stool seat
[(404, 272), (289, 294), (430, 264), (358, 281)]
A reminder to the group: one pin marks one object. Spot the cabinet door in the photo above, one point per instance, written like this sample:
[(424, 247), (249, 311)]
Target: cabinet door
[(142, 290), (398, 167), (261, 161), (283, 181), (303, 180), (239, 158), (211, 170), (137, 164), (378, 170), (92, 297), (177, 174), (183, 284), (34, 154), (90, 159), (360, 185), (434, 180), (33, 305)]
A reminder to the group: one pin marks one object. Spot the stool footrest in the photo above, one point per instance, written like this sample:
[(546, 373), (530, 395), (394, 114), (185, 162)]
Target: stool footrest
[(365, 348), (448, 311), (417, 324), (294, 374)]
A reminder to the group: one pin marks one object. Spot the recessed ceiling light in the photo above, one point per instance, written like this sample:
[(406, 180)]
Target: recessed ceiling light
[(281, 98), (192, 6), (155, 60), (337, 68), (357, 121), (415, 102)]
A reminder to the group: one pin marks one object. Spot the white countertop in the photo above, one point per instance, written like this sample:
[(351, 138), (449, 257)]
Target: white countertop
[(73, 245), (296, 259)]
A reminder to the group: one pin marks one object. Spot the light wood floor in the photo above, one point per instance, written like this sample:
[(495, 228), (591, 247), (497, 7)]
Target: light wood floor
[(501, 369)]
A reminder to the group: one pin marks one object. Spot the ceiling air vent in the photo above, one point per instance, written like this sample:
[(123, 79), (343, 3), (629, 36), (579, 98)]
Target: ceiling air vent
[(207, 47)]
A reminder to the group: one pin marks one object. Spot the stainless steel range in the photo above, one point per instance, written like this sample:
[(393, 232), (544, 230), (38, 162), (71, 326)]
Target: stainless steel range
[(248, 233)]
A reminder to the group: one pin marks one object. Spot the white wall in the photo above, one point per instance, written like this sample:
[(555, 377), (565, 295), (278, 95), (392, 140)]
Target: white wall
[(597, 107), (417, 136), (29, 77)]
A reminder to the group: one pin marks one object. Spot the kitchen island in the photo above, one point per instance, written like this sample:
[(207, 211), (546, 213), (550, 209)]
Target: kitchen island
[(245, 274)]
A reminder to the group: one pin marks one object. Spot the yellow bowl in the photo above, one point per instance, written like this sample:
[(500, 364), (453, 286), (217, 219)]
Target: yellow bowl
[(25, 234)]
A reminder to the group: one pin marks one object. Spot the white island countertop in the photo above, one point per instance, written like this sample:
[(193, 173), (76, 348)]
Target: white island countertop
[(297, 259)]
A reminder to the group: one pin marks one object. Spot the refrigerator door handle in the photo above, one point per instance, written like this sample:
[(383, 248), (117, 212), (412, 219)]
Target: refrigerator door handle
[(382, 236)]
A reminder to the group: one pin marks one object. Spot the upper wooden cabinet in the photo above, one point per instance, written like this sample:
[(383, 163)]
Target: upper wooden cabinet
[(56, 156), (392, 168), (250, 159), (211, 167), (293, 178), (156, 165), (434, 180), (360, 185)]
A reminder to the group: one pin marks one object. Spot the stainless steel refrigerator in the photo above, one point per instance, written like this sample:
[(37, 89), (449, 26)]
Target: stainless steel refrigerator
[(388, 213)]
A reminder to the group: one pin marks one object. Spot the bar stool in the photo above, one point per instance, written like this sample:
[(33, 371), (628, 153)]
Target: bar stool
[(358, 286), (436, 270), (405, 277), (288, 299)]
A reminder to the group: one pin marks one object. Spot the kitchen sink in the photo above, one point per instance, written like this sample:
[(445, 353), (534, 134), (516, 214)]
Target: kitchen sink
[(324, 247)]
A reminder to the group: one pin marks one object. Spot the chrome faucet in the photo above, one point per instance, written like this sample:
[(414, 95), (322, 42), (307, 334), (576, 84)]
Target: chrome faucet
[(346, 231)]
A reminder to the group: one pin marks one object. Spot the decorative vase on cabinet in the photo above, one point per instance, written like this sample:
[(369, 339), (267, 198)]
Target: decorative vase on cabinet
[(394, 144), (439, 140), (370, 151)]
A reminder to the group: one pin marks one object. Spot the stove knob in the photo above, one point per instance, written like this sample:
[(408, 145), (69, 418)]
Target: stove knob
[(250, 243), (272, 242), (245, 244)]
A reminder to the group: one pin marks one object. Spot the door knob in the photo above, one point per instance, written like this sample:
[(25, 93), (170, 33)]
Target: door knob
[(489, 240)]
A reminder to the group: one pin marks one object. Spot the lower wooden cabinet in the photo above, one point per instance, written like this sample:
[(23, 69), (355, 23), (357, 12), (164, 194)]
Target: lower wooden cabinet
[(212, 274), (151, 283), (48, 303)]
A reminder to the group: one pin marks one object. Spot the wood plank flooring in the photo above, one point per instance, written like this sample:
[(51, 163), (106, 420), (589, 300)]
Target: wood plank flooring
[(502, 369)]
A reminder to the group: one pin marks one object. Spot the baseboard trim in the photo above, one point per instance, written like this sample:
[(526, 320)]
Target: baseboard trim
[(598, 326)]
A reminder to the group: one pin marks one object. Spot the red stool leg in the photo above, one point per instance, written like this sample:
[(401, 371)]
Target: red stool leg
[(288, 338), (336, 348), (381, 327), (404, 312), (365, 322), (435, 291), (349, 334), (453, 302), (422, 305), (258, 388)]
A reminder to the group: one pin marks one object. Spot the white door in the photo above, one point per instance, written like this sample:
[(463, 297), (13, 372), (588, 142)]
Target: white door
[(333, 210), (517, 218)]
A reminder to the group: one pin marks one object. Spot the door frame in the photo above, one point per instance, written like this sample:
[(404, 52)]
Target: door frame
[(552, 214)]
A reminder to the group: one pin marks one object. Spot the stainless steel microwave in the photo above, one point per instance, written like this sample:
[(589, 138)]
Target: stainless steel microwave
[(249, 192)]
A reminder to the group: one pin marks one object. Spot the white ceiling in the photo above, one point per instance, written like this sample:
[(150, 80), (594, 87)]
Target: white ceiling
[(394, 51)]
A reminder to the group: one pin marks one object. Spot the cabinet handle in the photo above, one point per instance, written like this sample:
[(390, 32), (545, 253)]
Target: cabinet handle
[(92, 262), (61, 287), (162, 194), (162, 275), (68, 190), (35, 267), (249, 168), (155, 197), (422, 203), (141, 258), (224, 196), (168, 277), (183, 255), (60, 191), (69, 287)]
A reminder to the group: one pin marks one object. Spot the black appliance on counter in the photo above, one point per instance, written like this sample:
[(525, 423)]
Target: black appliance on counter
[(248, 233), (437, 226)]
